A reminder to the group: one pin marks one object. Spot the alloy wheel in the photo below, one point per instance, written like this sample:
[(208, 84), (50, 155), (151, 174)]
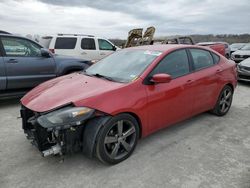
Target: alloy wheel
[(225, 100), (120, 139)]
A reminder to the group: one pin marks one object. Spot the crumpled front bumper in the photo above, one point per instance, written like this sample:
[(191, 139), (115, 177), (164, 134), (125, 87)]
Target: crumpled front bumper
[(50, 141)]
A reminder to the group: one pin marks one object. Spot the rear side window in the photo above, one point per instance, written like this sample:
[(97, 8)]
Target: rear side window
[(201, 58), (216, 58), (65, 43), (88, 44), (175, 64)]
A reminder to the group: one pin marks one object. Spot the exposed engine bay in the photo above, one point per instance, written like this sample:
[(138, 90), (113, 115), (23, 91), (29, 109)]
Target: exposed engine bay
[(55, 136)]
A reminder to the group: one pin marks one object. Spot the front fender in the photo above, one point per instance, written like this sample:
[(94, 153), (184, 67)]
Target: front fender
[(90, 134)]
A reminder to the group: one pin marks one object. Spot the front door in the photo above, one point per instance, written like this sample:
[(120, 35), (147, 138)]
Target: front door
[(171, 102), (25, 67), (105, 48)]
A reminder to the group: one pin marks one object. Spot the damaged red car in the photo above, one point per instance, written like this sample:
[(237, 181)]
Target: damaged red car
[(128, 95)]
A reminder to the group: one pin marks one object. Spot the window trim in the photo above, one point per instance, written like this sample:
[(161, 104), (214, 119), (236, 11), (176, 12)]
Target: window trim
[(146, 81), (90, 39), (3, 52), (192, 60)]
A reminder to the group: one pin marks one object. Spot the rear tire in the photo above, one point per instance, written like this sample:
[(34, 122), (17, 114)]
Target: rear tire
[(117, 139), (224, 101)]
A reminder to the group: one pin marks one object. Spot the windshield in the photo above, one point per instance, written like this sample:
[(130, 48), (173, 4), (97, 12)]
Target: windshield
[(246, 47), (124, 65)]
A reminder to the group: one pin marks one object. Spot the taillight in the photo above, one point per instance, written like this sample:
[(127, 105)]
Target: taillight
[(52, 50)]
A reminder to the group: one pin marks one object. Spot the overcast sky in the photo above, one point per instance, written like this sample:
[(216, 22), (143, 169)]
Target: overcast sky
[(114, 18)]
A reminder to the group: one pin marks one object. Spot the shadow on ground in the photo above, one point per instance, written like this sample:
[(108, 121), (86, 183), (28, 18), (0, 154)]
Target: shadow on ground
[(7, 102)]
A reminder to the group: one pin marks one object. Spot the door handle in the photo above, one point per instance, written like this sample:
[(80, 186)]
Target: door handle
[(84, 53), (12, 61), (189, 82), (218, 70), (102, 54)]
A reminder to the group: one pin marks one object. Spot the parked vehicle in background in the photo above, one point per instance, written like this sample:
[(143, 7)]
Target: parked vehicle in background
[(244, 70), (236, 46), (218, 47), (25, 64), (103, 113), (45, 41), (180, 40), (226, 51), (137, 38), (241, 54), (86, 47)]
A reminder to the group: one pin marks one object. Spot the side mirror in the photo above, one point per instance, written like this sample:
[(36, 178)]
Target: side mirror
[(45, 53), (161, 78), (114, 48)]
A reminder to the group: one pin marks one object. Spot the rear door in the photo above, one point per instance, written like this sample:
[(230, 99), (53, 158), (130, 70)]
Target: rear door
[(206, 72), (2, 70), (171, 102), (25, 67), (105, 48), (65, 46), (88, 49)]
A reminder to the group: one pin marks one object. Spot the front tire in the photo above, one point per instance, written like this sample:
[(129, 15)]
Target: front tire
[(224, 101), (117, 139)]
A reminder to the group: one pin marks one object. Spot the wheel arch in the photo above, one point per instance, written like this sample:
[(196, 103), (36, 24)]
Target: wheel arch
[(231, 86), (137, 119)]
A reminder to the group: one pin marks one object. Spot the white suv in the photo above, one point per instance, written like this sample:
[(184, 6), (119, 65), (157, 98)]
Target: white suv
[(86, 47)]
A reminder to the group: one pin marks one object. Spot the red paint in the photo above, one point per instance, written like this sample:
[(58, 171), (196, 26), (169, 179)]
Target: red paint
[(220, 48), (157, 106)]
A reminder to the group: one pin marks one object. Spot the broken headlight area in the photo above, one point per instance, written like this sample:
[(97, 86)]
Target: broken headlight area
[(56, 132)]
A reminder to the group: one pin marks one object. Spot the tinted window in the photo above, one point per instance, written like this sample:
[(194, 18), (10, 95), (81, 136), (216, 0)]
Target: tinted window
[(20, 47), (216, 58), (202, 58), (104, 45), (175, 64), (65, 43), (88, 44)]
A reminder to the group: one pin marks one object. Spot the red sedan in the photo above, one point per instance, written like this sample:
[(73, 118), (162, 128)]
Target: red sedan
[(127, 95)]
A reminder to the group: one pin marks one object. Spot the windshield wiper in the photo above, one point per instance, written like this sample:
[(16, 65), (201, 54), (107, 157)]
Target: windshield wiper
[(102, 76)]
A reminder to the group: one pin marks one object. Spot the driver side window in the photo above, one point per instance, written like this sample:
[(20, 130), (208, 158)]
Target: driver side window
[(20, 47), (104, 45), (175, 64)]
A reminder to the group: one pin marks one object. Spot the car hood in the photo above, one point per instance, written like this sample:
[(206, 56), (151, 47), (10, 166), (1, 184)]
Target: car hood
[(242, 52), (234, 49), (245, 63), (67, 90)]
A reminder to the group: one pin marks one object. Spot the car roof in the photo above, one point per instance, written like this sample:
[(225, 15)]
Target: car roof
[(163, 47)]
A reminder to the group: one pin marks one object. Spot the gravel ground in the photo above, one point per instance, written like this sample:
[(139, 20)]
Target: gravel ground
[(205, 151)]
